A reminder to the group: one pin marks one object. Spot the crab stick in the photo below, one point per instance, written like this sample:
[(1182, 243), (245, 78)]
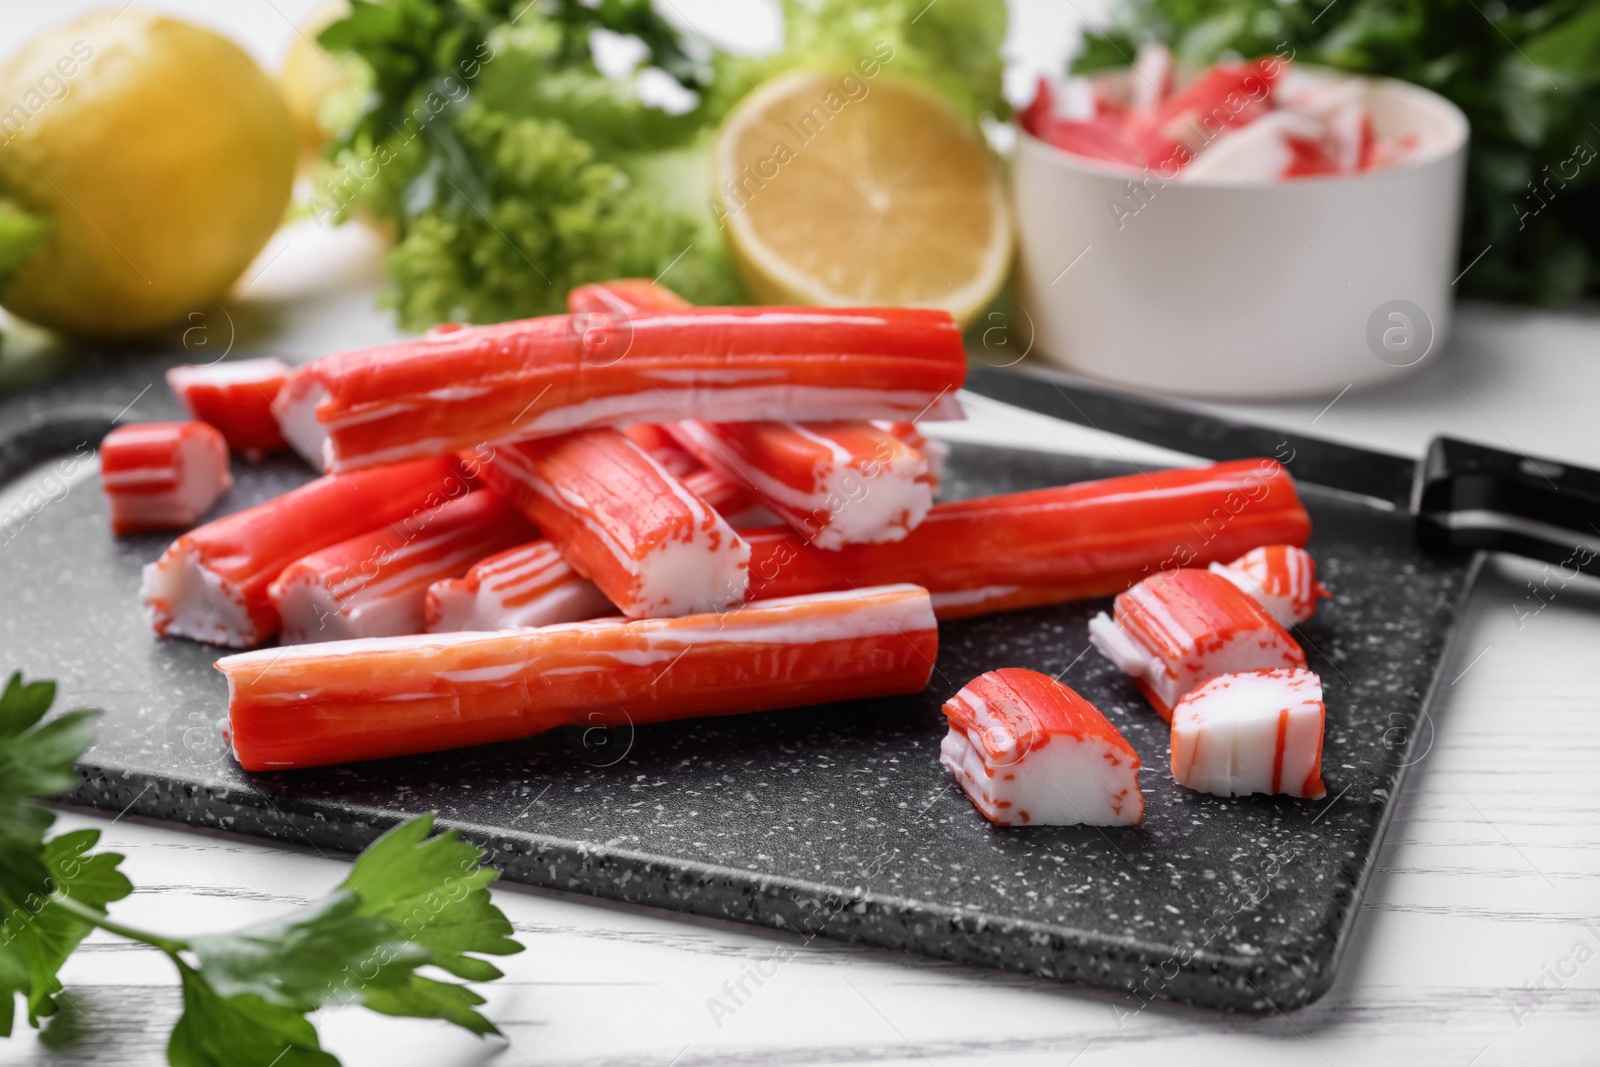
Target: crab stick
[(652, 545), (211, 584), (836, 483), (624, 296), (654, 439), (307, 705), (1177, 629), (457, 387), (162, 475), (1251, 732), (1019, 550), (235, 397), (729, 499), (935, 451), (294, 410), (1028, 750), (376, 583), (530, 585), (1281, 578)]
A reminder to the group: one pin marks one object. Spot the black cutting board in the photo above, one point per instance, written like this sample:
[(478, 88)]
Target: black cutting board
[(836, 821)]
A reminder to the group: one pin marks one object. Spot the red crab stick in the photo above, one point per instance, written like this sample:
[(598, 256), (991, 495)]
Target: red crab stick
[(1281, 578), (236, 398), (836, 483), (376, 584), (1254, 732), (354, 700), (728, 498), (1029, 751), (530, 585), (623, 296), (1001, 553), (211, 583), (652, 545), (460, 386), (654, 439), (1177, 629), (162, 475), (935, 451)]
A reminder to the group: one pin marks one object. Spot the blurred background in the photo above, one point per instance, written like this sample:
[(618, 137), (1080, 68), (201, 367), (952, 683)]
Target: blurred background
[(277, 174)]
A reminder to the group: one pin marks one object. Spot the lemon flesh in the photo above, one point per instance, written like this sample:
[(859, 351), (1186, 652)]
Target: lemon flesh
[(848, 191), (164, 160)]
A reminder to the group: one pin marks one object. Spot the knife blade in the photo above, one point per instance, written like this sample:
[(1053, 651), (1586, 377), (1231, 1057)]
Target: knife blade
[(1460, 494)]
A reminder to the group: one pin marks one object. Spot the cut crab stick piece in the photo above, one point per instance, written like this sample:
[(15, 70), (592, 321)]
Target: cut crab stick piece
[(530, 585), (1177, 629), (836, 483), (652, 545), (1281, 578), (1029, 751), (1251, 732), (236, 397), (294, 410), (308, 705), (162, 475), (211, 584), (455, 388), (376, 584), (1019, 550)]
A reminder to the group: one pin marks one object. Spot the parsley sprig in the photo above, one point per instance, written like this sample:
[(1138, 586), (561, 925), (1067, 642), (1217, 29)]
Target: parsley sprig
[(411, 901)]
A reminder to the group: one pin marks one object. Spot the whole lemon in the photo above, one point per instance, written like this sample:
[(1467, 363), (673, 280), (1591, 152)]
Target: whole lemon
[(162, 157)]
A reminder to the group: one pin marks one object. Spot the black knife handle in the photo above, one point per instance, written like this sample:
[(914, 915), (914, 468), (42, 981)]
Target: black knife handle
[(1473, 496)]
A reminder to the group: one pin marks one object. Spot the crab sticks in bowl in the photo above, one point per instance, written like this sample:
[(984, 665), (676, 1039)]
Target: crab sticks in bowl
[(211, 584), (1028, 750), (376, 584), (459, 386), (311, 705)]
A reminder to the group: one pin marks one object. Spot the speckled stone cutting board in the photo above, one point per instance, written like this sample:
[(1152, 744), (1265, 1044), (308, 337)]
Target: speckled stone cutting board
[(831, 821)]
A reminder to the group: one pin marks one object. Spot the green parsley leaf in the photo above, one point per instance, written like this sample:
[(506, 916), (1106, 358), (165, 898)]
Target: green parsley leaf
[(240, 1031), (35, 761), (39, 934), (411, 901), (434, 891)]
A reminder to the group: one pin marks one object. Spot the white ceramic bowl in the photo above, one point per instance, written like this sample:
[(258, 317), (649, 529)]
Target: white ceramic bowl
[(1234, 290)]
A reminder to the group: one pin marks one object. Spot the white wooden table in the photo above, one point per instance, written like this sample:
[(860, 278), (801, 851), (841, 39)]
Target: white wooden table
[(1477, 942)]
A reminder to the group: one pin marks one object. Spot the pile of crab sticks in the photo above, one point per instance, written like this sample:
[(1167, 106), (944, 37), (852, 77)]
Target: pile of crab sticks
[(678, 511)]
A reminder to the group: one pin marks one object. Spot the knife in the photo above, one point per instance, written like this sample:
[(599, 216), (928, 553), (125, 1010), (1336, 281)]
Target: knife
[(1461, 495)]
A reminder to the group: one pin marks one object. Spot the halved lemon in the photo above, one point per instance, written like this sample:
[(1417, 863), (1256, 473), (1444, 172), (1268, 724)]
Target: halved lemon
[(843, 190)]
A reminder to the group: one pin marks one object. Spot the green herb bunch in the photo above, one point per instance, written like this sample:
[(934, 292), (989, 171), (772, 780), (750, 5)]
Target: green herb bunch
[(1525, 72), (410, 901), (510, 168)]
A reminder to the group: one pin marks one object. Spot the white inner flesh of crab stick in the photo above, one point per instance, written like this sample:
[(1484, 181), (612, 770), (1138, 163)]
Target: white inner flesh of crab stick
[(1254, 732), (1029, 751)]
